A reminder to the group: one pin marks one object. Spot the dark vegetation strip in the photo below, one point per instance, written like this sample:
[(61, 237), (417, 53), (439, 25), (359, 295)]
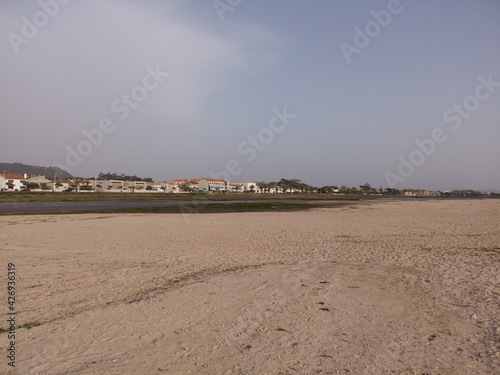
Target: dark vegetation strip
[(209, 208), (226, 207), (82, 197)]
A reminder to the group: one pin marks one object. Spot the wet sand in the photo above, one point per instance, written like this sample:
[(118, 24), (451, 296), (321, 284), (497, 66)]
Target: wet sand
[(371, 288)]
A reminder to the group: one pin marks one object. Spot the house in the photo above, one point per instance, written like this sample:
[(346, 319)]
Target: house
[(179, 181), (85, 185), (235, 188), (428, 193), (109, 185), (422, 193), (135, 185), (38, 180), (192, 185), (59, 185), (250, 187), (169, 187), (245, 187), (156, 186), (12, 181), (273, 190), (184, 185)]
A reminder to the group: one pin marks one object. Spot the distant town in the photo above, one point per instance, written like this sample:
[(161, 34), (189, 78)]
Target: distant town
[(114, 183)]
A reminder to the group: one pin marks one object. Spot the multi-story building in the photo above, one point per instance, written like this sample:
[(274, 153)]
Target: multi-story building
[(107, 185), (213, 185), (135, 185), (234, 188)]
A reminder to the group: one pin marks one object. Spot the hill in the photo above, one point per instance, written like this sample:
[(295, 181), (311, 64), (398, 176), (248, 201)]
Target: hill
[(35, 170)]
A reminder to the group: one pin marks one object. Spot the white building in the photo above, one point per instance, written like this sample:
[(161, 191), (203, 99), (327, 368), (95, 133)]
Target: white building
[(249, 187), (59, 185), (202, 185), (234, 188), (271, 190), (156, 186), (169, 187), (38, 180), (109, 185), (12, 181), (182, 184), (135, 185), (213, 185)]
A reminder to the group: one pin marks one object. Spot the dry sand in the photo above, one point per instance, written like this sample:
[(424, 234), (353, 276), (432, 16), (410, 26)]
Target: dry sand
[(373, 288)]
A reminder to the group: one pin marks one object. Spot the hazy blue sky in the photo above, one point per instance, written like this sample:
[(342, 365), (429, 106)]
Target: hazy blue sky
[(352, 117)]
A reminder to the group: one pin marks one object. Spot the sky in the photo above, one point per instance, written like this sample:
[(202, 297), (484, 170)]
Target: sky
[(401, 94)]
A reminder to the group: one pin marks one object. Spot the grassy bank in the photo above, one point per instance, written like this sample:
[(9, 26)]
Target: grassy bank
[(81, 197), (230, 207), (201, 208)]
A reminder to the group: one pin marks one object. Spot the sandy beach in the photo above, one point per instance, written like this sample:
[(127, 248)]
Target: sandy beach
[(403, 287)]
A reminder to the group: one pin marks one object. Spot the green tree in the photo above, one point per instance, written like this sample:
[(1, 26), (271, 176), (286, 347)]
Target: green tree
[(392, 191), (366, 187)]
